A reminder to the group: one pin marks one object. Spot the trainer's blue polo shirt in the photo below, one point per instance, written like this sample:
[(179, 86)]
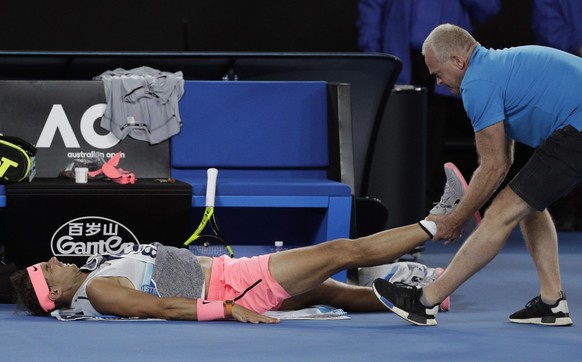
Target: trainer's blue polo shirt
[(535, 90)]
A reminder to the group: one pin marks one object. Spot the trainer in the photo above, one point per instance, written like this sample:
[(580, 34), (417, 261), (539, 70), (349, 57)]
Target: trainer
[(528, 94)]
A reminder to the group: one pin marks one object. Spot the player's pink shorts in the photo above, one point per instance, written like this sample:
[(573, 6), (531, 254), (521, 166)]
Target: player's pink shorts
[(230, 277)]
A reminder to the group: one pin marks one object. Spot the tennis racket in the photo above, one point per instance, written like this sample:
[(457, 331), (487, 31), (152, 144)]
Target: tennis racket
[(206, 246)]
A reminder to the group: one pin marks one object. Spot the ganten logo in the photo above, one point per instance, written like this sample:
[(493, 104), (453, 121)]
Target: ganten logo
[(90, 235)]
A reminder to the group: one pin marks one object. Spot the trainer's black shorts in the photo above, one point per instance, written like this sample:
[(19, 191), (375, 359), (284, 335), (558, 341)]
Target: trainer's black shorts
[(554, 169)]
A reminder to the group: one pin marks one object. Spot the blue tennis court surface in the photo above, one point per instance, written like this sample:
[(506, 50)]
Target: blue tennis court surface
[(476, 328)]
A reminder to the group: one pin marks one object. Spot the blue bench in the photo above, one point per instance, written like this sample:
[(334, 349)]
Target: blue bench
[(269, 141)]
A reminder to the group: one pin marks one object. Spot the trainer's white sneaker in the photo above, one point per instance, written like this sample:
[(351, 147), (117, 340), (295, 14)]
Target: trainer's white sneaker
[(455, 188)]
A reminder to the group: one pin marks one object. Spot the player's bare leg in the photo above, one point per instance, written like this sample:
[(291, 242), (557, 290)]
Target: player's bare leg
[(351, 298), (303, 269)]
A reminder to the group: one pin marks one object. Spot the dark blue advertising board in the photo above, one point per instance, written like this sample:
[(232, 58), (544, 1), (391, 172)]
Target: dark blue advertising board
[(52, 216)]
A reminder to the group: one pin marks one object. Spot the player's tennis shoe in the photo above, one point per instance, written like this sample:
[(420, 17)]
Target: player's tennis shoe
[(404, 301), (455, 188), (538, 312)]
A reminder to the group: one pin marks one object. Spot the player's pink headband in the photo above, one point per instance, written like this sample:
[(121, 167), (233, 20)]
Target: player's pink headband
[(40, 286)]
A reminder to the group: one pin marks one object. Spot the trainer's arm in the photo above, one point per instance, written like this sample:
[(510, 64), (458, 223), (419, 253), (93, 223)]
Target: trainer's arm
[(495, 153), (108, 296)]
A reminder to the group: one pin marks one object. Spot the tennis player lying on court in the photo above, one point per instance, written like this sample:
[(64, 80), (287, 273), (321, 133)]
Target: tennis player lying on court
[(157, 281)]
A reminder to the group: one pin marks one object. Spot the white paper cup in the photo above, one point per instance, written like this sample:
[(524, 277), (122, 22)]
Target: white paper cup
[(81, 175)]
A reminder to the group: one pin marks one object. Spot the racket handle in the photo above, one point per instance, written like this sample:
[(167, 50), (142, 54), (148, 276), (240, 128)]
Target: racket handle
[(212, 174)]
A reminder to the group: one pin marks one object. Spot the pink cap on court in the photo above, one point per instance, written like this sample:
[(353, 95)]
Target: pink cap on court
[(40, 286)]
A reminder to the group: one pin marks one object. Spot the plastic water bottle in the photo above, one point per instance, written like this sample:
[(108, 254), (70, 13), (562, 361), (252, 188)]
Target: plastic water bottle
[(278, 247)]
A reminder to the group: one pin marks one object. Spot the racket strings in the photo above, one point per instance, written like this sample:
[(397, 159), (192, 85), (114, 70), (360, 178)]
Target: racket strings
[(205, 248)]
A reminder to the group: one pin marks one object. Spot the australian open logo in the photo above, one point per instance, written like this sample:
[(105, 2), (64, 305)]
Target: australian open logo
[(90, 235)]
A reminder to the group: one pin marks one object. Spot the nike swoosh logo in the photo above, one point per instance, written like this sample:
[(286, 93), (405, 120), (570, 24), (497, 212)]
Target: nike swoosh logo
[(35, 268), (205, 302)]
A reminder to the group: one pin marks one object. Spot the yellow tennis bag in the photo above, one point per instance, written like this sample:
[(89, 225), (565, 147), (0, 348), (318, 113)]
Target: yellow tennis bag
[(16, 159)]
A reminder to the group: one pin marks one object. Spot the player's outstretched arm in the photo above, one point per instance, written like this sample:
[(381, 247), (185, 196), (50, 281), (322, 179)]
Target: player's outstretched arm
[(111, 296)]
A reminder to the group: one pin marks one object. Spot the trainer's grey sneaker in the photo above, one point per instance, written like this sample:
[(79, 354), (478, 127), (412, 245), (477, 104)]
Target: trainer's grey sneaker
[(404, 301), (455, 188), (538, 312)]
